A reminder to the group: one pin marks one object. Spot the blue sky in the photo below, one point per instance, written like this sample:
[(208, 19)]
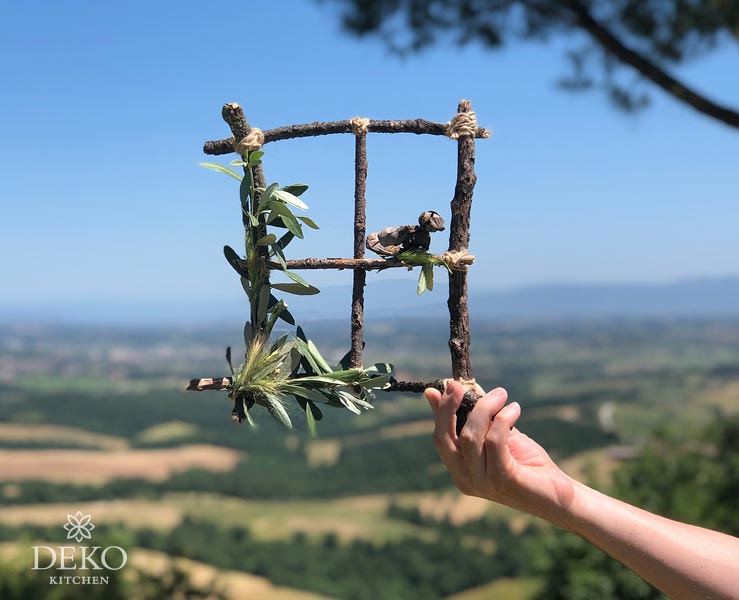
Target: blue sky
[(104, 107)]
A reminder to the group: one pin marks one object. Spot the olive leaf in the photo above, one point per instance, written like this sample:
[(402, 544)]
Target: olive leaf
[(296, 189), (291, 199), (296, 288), (421, 282), (309, 222), (221, 169), (266, 240)]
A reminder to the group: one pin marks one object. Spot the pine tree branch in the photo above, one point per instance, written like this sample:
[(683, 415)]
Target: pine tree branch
[(614, 46)]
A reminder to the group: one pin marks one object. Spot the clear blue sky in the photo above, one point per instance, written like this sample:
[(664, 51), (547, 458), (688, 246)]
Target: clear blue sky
[(105, 105)]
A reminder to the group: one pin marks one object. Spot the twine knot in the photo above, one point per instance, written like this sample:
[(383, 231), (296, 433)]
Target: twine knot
[(254, 140), (359, 125), (467, 384), (458, 260), (465, 123)]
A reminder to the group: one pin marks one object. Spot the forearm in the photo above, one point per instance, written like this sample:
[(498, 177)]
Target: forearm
[(683, 561)]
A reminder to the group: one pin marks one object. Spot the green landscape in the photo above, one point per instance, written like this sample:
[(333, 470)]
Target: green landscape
[(97, 420)]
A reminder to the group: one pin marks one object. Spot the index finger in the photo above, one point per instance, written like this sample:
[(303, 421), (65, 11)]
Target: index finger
[(445, 407)]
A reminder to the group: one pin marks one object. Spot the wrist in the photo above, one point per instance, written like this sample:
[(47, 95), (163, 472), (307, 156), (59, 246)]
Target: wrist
[(585, 513), (552, 498)]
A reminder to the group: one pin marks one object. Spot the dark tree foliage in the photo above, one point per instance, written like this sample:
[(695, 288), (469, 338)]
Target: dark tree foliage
[(646, 36), (689, 478), (692, 478)]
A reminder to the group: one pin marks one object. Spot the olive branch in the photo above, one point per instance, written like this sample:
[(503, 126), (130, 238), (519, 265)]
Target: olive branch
[(290, 366)]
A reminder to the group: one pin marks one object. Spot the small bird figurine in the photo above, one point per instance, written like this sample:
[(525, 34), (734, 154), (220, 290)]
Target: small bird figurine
[(391, 241)]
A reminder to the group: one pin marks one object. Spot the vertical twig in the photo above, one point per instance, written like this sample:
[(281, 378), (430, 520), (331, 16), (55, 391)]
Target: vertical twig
[(459, 239), (360, 233), (234, 116)]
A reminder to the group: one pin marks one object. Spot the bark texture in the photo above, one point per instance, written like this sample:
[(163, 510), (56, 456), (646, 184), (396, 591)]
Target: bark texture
[(360, 232), (459, 239), (417, 126)]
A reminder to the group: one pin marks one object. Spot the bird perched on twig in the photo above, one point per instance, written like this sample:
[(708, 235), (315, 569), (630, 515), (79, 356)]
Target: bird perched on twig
[(391, 241)]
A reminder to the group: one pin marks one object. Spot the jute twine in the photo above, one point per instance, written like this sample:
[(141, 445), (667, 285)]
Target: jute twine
[(360, 125), (467, 384), (254, 140), (459, 260), (464, 123)]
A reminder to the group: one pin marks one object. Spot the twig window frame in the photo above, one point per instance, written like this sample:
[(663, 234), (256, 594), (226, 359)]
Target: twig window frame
[(459, 229)]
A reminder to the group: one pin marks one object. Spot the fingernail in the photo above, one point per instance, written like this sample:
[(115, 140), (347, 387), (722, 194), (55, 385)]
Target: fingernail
[(499, 393), (511, 409)]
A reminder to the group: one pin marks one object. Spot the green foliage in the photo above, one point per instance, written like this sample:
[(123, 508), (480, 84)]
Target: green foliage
[(411, 568), (290, 367), (427, 262), (690, 477)]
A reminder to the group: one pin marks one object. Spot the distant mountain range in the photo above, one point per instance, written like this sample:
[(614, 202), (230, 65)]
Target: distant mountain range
[(690, 298), (698, 298), (388, 299)]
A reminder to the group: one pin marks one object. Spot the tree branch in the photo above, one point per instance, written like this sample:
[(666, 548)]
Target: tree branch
[(359, 276), (417, 126), (613, 45), (364, 264), (459, 239)]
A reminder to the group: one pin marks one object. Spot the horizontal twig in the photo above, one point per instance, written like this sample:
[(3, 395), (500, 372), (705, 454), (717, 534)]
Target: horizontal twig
[(417, 126), (416, 387), (222, 383), (209, 383), (365, 264)]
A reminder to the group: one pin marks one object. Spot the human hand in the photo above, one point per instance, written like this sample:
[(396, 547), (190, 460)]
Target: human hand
[(491, 459)]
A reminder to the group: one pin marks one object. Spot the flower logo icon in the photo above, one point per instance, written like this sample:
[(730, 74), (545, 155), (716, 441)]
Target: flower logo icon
[(79, 526)]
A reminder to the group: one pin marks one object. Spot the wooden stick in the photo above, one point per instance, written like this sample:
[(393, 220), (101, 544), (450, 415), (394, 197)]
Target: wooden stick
[(414, 387), (459, 239), (234, 116), (417, 126), (209, 383), (365, 264), (222, 383), (360, 233)]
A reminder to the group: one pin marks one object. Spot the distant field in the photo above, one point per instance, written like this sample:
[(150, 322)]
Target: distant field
[(43, 433), (133, 513), (359, 517), (88, 466), (327, 451), (167, 432), (501, 589), (236, 584), (368, 497)]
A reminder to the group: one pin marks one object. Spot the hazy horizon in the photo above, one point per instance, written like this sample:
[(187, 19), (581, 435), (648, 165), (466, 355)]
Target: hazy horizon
[(396, 297)]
